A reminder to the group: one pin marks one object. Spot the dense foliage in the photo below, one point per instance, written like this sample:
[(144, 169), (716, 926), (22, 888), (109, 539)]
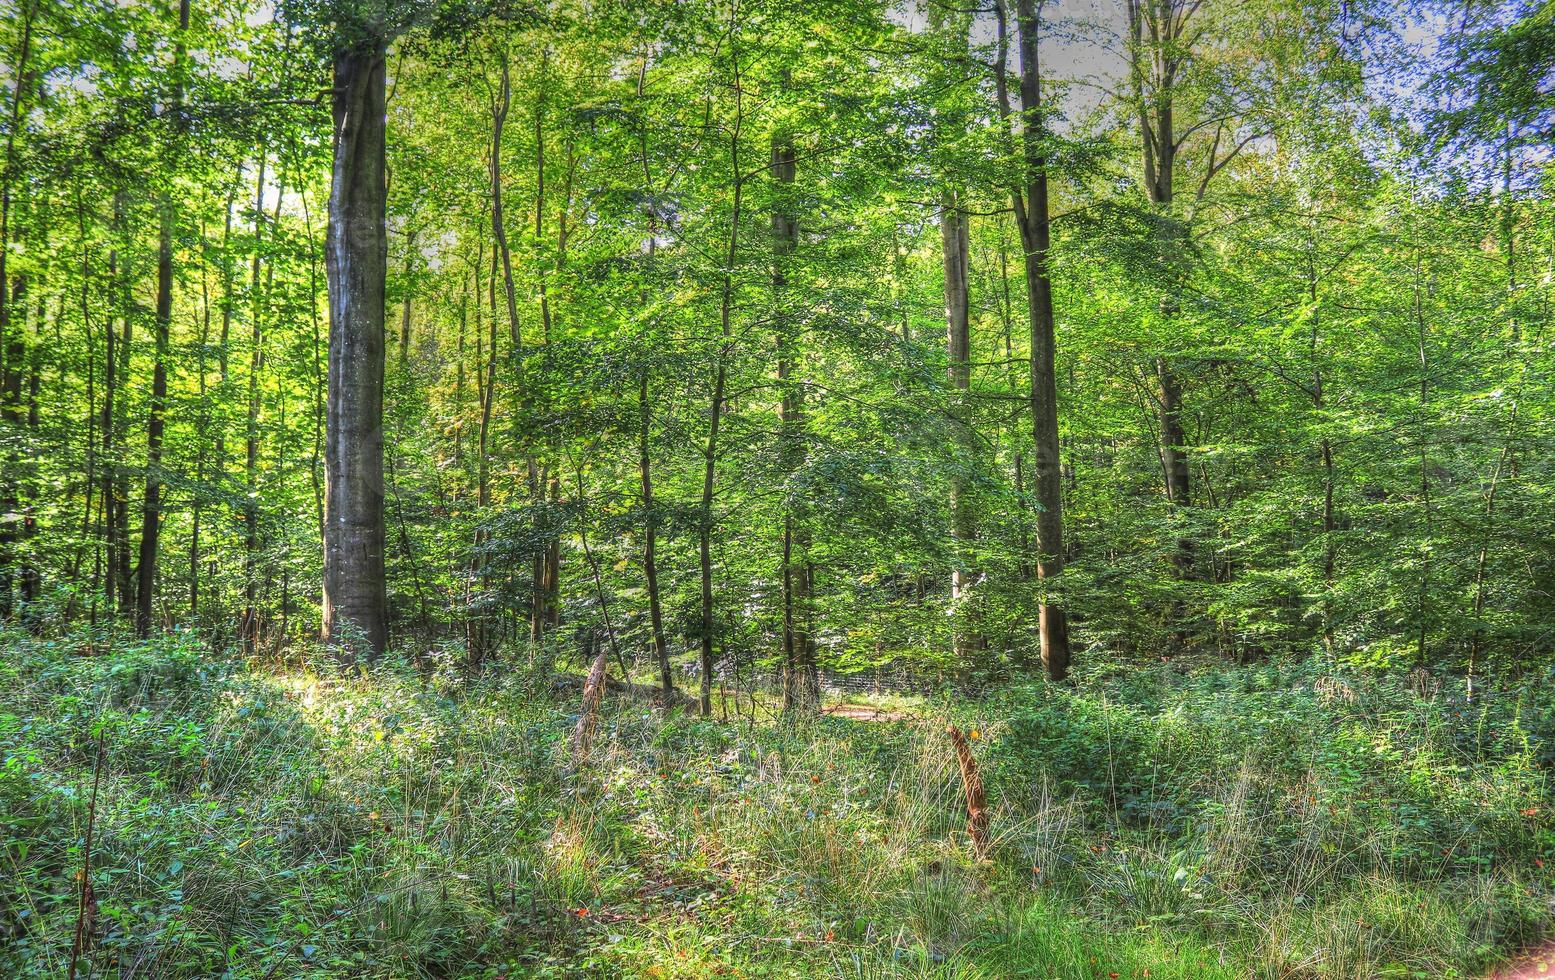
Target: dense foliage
[(1302, 393), (1165, 384)]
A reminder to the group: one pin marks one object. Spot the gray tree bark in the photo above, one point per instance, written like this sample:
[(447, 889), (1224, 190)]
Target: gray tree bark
[(356, 258)]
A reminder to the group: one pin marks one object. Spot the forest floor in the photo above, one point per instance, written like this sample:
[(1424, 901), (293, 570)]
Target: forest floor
[(252, 821), (1538, 964), (867, 712)]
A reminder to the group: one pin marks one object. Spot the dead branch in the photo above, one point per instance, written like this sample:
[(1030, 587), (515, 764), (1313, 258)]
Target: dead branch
[(976, 797)]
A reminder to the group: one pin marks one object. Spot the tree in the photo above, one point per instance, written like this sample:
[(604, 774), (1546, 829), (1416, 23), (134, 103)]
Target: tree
[(955, 250), (808, 451), (355, 602), (151, 511), (12, 344), (1029, 197)]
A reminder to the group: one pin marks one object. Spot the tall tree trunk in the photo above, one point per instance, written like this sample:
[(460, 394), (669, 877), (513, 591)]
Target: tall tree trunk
[(224, 364), (720, 380), (661, 649), (955, 254), (106, 422), (123, 579), (356, 256), (1025, 568), (459, 345), (151, 510), (644, 446), (1506, 459), (202, 426), (319, 379), (1427, 549), (542, 566), (115, 373), (1155, 28), (256, 359), (801, 681), (499, 115), (479, 631), (12, 343), (30, 576), (1173, 436), (955, 251), (88, 533), (540, 278), (12, 372), (546, 610), (1031, 213), (1325, 455)]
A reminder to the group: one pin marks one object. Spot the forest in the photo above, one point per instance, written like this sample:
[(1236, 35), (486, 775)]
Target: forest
[(954, 489)]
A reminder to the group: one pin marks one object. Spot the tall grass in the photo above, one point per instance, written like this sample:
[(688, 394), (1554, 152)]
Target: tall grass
[(1224, 823)]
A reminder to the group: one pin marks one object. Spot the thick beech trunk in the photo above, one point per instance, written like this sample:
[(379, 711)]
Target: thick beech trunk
[(355, 593)]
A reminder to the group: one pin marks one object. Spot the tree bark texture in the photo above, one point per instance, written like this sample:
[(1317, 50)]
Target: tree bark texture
[(356, 257), (1036, 237)]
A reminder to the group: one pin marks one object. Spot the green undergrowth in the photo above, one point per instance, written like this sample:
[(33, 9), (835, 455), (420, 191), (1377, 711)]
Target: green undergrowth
[(1165, 823)]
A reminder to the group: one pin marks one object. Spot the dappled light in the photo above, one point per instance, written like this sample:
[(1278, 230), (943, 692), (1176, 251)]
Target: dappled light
[(864, 489)]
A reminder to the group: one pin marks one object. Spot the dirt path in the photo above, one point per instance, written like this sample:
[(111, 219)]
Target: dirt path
[(1537, 964), (867, 712)]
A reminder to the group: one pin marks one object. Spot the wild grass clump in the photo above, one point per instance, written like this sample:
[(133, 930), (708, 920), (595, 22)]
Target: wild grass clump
[(1222, 823), (1320, 823)]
